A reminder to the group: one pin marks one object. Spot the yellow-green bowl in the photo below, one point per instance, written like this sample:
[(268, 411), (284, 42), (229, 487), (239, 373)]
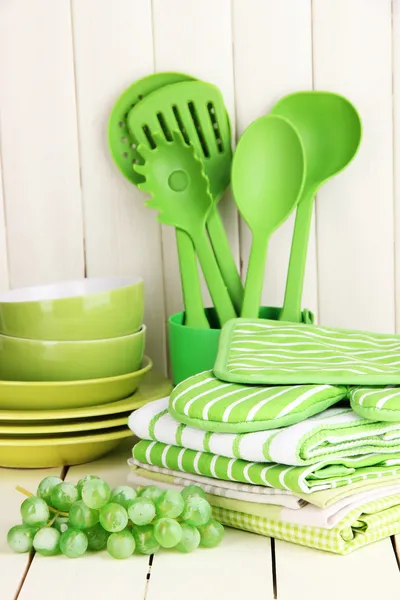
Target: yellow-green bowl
[(85, 309), (39, 360), (55, 451), (54, 396)]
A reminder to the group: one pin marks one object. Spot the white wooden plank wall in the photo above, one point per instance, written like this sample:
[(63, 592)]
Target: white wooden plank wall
[(64, 208)]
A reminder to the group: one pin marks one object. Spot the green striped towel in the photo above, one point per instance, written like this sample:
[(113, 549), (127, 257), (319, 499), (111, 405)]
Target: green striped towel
[(335, 433), (307, 479), (258, 351), (376, 403), (361, 527), (207, 403)]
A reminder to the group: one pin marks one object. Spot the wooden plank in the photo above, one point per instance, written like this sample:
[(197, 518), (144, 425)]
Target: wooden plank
[(396, 147), (272, 58), (113, 48), (352, 56), (13, 566), (4, 283), (95, 575), (304, 572), (204, 51), (239, 568), (39, 143)]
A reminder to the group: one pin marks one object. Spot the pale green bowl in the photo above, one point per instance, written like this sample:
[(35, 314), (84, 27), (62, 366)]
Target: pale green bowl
[(85, 309), (38, 360)]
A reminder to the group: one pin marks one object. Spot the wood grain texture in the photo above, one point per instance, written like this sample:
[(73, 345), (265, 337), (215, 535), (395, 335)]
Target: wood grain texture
[(272, 58), (13, 566), (113, 48), (196, 41), (368, 573), (352, 56), (39, 143)]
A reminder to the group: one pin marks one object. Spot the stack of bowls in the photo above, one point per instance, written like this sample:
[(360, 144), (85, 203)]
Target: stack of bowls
[(71, 362)]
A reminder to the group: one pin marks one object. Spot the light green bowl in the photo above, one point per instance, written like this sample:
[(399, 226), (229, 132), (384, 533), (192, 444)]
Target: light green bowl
[(85, 309), (38, 360)]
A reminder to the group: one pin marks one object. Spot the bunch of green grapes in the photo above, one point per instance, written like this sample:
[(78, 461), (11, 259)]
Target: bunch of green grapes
[(71, 519)]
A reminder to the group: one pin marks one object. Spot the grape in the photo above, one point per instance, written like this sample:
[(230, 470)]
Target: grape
[(81, 516), (20, 538), (96, 493), (197, 511), (123, 495), (190, 538), (113, 517), (193, 490), (211, 534), (121, 544), (73, 543), (152, 492), (146, 543), (82, 482), (97, 537), (63, 495), (46, 487), (34, 512), (61, 524), (141, 511), (46, 541), (170, 504), (167, 532)]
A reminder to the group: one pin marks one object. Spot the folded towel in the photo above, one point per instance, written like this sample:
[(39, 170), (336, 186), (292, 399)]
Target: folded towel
[(304, 514), (269, 352), (376, 403), (361, 527), (226, 489), (207, 403), (320, 476), (335, 433)]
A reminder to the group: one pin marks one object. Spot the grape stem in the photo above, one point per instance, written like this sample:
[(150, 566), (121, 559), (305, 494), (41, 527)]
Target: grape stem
[(51, 509)]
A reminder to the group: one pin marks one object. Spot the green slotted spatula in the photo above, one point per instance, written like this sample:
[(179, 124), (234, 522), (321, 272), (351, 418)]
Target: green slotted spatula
[(175, 178), (124, 152), (197, 110)]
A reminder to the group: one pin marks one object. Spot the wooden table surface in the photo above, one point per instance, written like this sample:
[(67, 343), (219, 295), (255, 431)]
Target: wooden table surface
[(245, 566)]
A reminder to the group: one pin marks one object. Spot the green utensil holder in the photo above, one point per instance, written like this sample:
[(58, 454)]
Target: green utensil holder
[(195, 350)]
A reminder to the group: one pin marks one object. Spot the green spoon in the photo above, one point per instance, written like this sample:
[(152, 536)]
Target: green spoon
[(268, 173), (197, 110), (124, 152), (330, 128), (175, 178)]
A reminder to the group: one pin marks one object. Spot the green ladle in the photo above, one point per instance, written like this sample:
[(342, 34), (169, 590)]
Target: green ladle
[(268, 173), (175, 179), (124, 152), (330, 128)]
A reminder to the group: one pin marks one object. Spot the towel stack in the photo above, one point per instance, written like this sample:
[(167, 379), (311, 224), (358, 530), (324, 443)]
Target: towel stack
[(281, 460)]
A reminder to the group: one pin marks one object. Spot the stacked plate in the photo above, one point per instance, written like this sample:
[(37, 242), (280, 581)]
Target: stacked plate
[(71, 363)]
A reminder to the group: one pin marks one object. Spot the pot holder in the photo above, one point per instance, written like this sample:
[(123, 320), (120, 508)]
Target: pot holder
[(376, 403), (207, 403), (257, 351)]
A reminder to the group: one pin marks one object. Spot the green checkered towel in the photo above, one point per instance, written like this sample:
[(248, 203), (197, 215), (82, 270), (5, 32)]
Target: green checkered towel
[(307, 479)]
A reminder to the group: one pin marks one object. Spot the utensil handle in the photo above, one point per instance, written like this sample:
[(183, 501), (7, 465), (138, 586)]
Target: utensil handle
[(225, 260), (191, 289), (255, 278), (291, 310), (217, 288)]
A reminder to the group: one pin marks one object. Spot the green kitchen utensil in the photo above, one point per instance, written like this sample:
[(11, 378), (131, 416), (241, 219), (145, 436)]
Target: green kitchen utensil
[(174, 177), (268, 173), (124, 152), (330, 128), (197, 110)]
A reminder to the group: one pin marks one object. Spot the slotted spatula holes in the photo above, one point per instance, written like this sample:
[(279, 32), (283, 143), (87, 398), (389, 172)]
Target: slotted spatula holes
[(215, 126), (179, 122), (199, 131), (164, 127), (147, 133)]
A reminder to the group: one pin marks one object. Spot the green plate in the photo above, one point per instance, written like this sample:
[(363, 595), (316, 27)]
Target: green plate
[(28, 429), (38, 395), (55, 451), (154, 386)]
